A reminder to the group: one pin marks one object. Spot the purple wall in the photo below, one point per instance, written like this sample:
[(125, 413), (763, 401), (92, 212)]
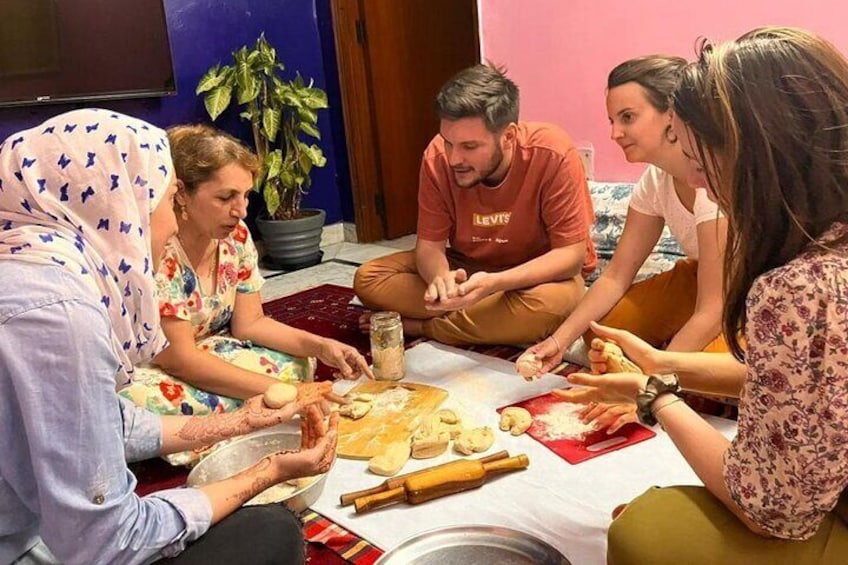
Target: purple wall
[(204, 32)]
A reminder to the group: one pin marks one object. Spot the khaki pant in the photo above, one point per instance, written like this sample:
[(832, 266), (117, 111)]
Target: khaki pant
[(656, 308), (682, 525), (515, 317)]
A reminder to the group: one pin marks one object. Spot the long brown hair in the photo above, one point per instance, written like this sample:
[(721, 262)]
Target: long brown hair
[(769, 115)]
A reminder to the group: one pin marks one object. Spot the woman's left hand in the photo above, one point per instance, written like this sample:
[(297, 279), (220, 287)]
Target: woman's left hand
[(255, 415), (351, 364), (612, 387)]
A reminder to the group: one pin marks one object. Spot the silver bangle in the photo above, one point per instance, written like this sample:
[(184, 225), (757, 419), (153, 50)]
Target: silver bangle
[(556, 342)]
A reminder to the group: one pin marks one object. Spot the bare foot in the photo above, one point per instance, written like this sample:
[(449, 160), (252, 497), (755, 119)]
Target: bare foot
[(412, 327), (609, 358)]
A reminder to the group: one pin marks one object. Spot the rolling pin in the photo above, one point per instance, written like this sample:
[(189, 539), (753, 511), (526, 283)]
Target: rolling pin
[(394, 482), (437, 482)]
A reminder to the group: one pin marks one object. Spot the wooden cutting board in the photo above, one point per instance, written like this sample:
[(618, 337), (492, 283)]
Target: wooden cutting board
[(398, 408)]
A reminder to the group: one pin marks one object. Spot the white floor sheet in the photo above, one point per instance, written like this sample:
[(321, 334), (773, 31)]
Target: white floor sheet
[(566, 505)]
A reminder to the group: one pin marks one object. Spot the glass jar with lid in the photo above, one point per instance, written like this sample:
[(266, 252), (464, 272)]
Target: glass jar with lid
[(387, 346)]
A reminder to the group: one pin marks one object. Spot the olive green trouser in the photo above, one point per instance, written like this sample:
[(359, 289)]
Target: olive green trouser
[(688, 525)]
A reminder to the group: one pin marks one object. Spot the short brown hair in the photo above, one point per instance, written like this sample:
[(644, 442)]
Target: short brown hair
[(658, 75), (199, 151), (481, 91)]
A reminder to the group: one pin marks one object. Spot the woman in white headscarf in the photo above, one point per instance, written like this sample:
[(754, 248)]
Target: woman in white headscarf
[(86, 206)]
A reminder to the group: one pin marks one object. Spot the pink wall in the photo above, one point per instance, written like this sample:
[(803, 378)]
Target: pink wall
[(560, 51)]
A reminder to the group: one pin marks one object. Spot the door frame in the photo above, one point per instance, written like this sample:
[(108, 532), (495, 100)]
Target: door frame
[(360, 130)]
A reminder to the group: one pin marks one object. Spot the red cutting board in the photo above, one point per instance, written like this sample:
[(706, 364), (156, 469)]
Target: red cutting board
[(577, 451)]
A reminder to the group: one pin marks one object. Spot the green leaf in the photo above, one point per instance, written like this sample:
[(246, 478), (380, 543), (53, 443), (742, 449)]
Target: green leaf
[(271, 122), (287, 178), (246, 81), (310, 129), (217, 101), (241, 55), (274, 162), (308, 115), (268, 55), (298, 81), (305, 161), (209, 80), (259, 180), (272, 198), (315, 154), (315, 98), (289, 98)]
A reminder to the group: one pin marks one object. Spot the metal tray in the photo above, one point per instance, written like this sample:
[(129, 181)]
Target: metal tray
[(470, 545), (237, 456)]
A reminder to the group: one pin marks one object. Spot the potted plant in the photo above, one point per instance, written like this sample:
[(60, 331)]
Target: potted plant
[(282, 113)]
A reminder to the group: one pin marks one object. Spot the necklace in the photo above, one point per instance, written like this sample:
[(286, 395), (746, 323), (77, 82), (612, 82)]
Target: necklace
[(205, 266)]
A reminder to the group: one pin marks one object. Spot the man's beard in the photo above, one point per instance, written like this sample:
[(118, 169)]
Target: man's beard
[(483, 178)]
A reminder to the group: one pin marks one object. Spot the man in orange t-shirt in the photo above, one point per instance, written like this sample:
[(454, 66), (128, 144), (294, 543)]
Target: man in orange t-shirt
[(503, 225)]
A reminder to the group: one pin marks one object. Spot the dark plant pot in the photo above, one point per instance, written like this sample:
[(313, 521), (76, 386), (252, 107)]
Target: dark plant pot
[(293, 244)]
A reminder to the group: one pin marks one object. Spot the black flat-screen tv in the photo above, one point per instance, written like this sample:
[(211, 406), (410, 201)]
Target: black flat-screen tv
[(80, 50)]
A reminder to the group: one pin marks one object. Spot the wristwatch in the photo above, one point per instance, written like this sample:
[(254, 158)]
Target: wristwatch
[(655, 386)]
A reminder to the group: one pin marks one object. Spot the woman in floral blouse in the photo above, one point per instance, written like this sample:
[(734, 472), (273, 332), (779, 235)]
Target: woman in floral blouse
[(765, 121), (223, 349)]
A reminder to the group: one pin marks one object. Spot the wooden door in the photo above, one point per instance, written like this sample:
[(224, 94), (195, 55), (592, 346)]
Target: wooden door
[(393, 56)]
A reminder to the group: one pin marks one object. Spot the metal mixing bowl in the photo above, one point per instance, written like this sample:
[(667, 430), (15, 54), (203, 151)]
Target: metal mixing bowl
[(242, 453)]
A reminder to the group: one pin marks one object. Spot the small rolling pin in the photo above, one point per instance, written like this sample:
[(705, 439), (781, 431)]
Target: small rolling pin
[(438, 482), (394, 482)]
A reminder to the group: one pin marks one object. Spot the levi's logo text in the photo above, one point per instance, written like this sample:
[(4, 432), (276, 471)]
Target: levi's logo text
[(492, 220)]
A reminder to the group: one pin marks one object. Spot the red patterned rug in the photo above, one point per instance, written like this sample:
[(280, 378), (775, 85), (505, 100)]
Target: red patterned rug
[(326, 310)]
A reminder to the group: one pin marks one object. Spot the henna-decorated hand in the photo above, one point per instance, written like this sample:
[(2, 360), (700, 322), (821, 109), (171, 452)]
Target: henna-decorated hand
[(317, 447), (258, 416)]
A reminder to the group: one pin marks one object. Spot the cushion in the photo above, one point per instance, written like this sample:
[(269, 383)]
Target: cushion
[(611, 200)]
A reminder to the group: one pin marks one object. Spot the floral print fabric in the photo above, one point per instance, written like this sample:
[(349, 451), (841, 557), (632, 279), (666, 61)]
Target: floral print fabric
[(181, 296), (610, 201), (789, 461)]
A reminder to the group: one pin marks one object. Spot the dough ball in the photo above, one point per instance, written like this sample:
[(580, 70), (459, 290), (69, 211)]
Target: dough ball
[(355, 410), (515, 419), (390, 461), (528, 366), (279, 394), (477, 440)]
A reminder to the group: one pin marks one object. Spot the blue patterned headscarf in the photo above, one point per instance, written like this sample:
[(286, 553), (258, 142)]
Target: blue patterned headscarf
[(77, 191)]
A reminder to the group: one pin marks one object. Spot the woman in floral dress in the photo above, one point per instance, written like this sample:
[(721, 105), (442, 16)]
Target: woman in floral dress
[(222, 349)]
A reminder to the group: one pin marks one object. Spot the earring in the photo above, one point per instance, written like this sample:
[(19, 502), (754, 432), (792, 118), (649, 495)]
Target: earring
[(183, 213), (670, 136)]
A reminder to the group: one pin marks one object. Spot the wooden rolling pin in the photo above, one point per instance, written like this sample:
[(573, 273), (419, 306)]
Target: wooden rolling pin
[(438, 482), (394, 482)]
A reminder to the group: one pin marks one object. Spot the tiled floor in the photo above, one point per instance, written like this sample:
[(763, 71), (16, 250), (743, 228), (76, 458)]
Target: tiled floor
[(339, 263)]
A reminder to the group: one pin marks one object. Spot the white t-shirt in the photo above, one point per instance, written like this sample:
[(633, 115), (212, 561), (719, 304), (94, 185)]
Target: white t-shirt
[(654, 195)]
